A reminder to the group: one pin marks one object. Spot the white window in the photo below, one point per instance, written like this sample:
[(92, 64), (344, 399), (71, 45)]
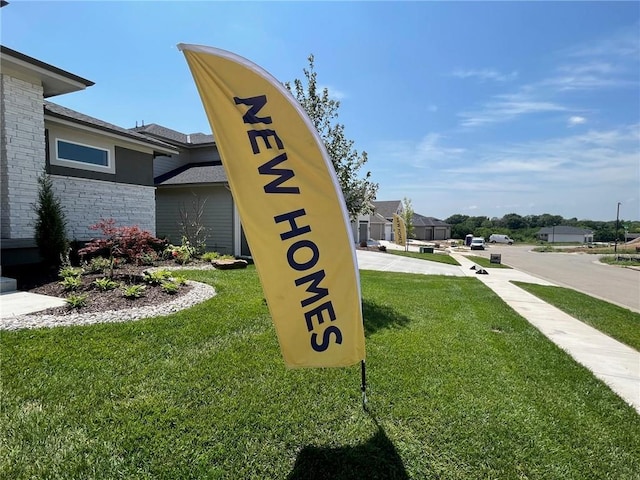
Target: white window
[(88, 157)]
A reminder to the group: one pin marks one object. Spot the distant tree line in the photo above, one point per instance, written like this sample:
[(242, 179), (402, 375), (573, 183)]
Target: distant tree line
[(524, 228)]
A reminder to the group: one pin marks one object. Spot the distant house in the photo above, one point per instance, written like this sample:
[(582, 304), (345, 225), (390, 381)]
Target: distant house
[(565, 234), (98, 170), (430, 228), (378, 225)]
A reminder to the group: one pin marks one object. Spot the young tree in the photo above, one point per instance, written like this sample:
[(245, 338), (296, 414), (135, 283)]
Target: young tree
[(323, 111), (407, 214), (51, 224)]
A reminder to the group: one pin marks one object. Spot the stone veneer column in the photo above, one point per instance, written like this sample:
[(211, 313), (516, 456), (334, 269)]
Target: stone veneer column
[(22, 155)]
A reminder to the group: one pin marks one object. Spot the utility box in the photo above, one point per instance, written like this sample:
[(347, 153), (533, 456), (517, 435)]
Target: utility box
[(495, 258), (426, 249)]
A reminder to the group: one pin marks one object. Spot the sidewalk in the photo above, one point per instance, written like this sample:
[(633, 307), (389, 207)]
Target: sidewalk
[(613, 362), (20, 303)]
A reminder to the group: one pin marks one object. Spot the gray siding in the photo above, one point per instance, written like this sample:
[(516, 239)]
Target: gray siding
[(164, 164), (204, 154), (217, 218)]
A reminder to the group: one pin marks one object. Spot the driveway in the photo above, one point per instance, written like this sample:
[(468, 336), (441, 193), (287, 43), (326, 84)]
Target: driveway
[(386, 262), (579, 271)]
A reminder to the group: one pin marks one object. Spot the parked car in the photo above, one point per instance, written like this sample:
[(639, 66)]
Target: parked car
[(499, 238), (477, 243)]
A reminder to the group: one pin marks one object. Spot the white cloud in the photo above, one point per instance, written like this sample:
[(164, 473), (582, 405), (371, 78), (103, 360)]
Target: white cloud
[(485, 74), (607, 64), (623, 43), (571, 175), (576, 120), (508, 107)]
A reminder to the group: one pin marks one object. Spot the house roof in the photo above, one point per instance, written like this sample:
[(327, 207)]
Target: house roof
[(53, 110), (173, 136), (422, 221), (387, 208), (194, 173), (55, 81), (377, 218), (564, 230)]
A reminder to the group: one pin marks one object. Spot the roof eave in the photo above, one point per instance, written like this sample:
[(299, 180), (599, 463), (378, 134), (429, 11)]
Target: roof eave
[(55, 81), (56, 117)]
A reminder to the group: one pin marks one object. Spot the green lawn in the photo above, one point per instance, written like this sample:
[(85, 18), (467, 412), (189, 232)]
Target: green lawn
[(460, 387), (433, 257), (485, 262), (617, 322)]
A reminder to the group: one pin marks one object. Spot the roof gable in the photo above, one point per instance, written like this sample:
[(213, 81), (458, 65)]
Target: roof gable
[(422, 221), (173, 136), (387, 208)]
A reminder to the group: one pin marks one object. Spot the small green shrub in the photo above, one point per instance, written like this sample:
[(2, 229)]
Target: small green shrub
[(182, 254), (170, 287), (71, 283), (157, 277), (209, 256), (133, 291), (105, 284), (98, 264), (148, 258), (179, 280), (76, 301), (69, 271)]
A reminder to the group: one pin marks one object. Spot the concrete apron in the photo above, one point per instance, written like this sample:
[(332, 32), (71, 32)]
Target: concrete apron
[(615, 363)]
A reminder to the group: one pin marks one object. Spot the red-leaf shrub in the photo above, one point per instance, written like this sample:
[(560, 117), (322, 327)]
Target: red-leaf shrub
[(129, 244)]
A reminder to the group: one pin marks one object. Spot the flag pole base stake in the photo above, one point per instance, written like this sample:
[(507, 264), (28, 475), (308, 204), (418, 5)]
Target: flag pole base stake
[(363, 387)]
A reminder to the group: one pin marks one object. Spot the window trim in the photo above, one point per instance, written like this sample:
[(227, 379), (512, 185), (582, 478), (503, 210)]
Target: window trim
[(65, 162)]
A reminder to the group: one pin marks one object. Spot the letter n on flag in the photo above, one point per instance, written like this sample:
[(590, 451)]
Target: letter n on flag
[(290, 205)]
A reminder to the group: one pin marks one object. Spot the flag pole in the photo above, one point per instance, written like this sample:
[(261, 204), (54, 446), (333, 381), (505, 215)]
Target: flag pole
[(363, 387)]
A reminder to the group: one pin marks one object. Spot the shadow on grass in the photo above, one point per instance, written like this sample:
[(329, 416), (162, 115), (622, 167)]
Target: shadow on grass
[(377, 317), (375, 459)]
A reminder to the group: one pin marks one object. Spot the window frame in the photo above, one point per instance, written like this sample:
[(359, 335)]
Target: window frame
[(66, 162)]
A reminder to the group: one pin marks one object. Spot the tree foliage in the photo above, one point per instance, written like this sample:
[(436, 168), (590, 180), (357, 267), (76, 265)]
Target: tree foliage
[(358, 191), (51, 224), (407, 215), (524, 228)]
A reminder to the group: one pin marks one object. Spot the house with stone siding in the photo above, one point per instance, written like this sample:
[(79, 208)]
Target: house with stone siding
[(98, 170)]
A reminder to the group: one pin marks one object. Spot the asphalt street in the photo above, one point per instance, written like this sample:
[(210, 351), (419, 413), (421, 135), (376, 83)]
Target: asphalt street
[(580, 271)]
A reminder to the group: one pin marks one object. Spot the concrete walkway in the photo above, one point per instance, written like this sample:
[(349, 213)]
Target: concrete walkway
[(17, 303), (615, 363)]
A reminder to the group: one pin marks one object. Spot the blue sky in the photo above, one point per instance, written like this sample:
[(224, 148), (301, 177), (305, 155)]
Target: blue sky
[(482, 108)]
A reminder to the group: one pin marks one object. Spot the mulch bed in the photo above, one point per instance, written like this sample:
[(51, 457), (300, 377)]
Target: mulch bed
[(48, 283)]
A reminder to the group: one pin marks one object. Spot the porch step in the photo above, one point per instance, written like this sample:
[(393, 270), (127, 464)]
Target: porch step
[(7, 284)]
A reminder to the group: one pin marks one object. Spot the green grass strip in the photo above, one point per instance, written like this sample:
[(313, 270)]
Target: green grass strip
[(485, 262), (617, 322), (460, 387), (432, 257)]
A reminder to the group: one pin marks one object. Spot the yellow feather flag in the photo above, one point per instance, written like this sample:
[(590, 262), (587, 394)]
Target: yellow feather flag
[(399, 230), (290, 205)]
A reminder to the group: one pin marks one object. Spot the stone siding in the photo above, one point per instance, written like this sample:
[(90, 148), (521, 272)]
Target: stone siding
[(86, 202), (22, 155)]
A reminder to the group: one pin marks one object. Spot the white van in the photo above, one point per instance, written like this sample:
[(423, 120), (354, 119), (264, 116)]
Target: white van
[(477, 243), (498, 238)]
